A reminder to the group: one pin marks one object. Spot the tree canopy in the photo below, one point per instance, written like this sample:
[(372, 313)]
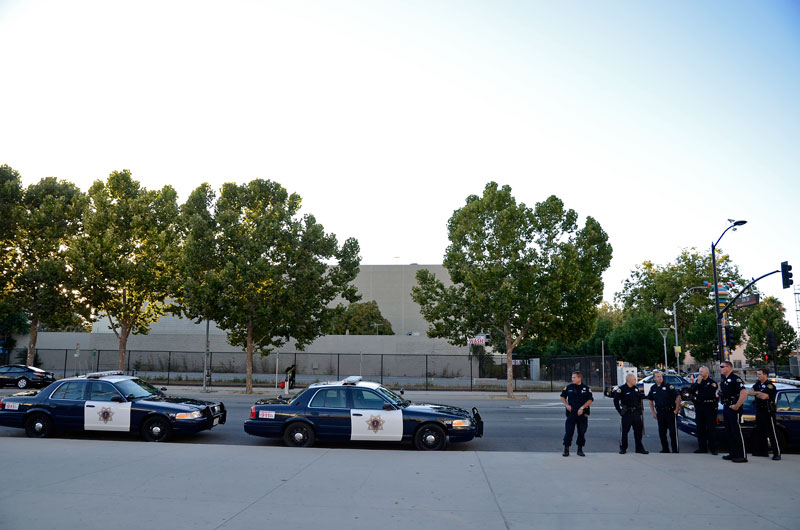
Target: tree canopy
[(524, 272), (767, 316), (359, 318), (41, 276), (261, 271), (125, 256)]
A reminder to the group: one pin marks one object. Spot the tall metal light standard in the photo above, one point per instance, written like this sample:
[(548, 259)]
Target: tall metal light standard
[(675, 320), (733, 224), (664, 333)]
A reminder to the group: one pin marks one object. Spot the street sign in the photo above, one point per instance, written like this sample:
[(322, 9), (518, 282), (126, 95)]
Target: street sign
[(748, 300), (677, 349), (480, 340)]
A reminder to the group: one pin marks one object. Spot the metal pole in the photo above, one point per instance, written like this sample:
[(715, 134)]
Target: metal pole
[(66, 354), (603, 362), (169, 365), (205, 361), (426, 371), (664, 332), (720, 353), (277, 361), (381, 369), (470, 369)]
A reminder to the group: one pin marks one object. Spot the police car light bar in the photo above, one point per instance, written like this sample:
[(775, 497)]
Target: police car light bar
[(97, 375), (352, 380), (792, 382)]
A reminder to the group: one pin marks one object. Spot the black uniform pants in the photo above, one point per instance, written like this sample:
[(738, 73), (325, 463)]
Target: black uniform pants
[(667, 423), (765, 428), (631, 419), (706, 419), (581, 422), (734, 430)]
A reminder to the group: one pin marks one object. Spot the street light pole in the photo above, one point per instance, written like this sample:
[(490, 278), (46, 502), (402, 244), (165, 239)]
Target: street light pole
[(664, 333), (720, 348)]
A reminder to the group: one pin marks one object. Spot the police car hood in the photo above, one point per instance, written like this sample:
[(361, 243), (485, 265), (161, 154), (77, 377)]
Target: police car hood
[(433, 408), (177, 402)]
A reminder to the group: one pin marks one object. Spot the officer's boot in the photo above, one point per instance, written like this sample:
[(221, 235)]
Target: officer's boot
[(566, 450), (580, 452)]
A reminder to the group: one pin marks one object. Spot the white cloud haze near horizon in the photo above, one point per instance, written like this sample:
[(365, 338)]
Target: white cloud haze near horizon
[(660, 120)]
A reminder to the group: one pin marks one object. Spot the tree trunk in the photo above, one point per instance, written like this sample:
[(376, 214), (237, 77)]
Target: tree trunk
[(32, 341), (124, 331), (249, 361), (509, 363)]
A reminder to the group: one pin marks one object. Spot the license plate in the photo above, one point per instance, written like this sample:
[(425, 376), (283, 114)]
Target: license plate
[(689, 413), (11, 406), (216, 421)]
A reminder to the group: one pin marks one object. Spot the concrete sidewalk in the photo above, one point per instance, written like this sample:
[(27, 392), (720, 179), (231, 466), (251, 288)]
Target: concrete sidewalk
[(58, 483)]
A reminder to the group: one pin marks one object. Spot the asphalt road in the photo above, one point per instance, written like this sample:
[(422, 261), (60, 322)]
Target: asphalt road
[(534, 424)]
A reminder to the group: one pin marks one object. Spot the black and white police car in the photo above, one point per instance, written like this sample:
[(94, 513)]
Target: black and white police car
[(356, 410), (22, 376), (108, 401), (787, 415)]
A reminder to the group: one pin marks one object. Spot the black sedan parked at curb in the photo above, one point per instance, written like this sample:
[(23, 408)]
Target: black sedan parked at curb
[(22, 376), (108, 401), (356, 410)]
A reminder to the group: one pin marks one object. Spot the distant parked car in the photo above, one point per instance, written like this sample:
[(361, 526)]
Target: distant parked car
[(671, 379), (22, 376)]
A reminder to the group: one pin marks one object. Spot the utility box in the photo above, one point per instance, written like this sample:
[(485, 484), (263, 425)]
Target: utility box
[(623, 371)]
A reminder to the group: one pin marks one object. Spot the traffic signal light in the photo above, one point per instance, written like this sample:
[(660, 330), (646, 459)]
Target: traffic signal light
[(766, 357), (772, 341), (729, 335), (786, 274)]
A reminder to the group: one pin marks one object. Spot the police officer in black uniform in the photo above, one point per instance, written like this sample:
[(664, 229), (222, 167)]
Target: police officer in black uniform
[(628, 402), (764, 392), (665, 403), (704, 396), (576, 397), (733, 395)]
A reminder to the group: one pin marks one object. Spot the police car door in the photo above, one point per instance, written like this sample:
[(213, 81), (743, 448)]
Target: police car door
[(106, 409), (370, 421)]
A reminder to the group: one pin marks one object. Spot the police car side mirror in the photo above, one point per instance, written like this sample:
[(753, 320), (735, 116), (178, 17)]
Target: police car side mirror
[(685, 394), (388, 406), (117, 399), (402, 391), (163, 389)]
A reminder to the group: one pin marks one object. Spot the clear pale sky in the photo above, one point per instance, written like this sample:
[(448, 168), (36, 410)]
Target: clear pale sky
[(659, 119)]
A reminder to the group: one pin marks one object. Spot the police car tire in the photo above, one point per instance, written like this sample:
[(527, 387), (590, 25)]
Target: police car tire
[(22, 382), (430, 437), (293, 429), (45, 425), (164, 429)]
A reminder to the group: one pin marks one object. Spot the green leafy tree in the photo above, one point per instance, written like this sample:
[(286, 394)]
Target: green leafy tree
[(655, 288), (126, 255), (769, 315), (360, 319), (638, 340), (10, 213), (264, 273), (701, 337), (518, 271), (41, 275)]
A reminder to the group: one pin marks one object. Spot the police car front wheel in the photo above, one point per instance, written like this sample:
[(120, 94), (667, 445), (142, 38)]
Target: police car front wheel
[(38, 425), (156, 429), (430, 437), (299, 435)]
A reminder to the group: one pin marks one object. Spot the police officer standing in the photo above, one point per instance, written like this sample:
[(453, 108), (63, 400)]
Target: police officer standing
[(704, 397), (765, 391), (576, 397), (733, 395), (665, 403), (628, 402)]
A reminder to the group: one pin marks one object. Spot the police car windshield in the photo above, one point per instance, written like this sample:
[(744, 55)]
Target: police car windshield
[(136, 388), (392, 396)]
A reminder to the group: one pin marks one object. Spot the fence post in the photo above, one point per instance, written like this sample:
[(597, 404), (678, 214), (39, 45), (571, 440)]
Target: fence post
[(470, 371), (169, 365), (66, 353), (381, 369), (129, 362), (426, 371), (97, 361), (337, 367)]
